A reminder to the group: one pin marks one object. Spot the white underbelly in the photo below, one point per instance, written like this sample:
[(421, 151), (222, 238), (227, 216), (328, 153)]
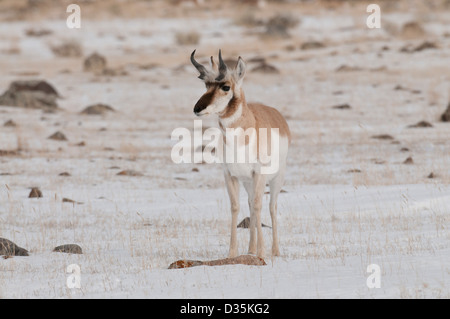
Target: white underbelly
[(260, 163)]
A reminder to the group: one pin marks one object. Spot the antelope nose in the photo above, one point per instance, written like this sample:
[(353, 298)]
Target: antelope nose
[(203, 103), (198, 108)]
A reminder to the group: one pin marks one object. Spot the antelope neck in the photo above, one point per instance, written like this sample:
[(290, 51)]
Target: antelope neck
[(232, 114)]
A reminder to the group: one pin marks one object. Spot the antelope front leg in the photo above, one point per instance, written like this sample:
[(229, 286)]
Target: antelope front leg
[(233, 193), (255, 215)]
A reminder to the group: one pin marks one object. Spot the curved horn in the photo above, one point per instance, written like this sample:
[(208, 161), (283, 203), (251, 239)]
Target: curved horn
[(222, 68), (198, 66)]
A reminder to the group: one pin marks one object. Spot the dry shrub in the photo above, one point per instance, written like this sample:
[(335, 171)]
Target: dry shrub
[(279, 24), (36, 94), (412, 30), (95, 63), (248, 19), (68, 49), (187, 38)]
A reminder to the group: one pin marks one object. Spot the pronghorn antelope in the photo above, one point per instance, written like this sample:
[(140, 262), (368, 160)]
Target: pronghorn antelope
[(225, 98)]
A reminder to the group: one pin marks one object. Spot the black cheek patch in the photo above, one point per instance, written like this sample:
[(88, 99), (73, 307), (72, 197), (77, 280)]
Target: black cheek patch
[(204, 101)]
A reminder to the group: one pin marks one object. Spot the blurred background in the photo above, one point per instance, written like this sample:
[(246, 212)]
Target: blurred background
[(365, 106)]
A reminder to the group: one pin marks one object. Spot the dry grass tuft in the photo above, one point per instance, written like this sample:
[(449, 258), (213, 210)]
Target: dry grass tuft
[(187, 38), (68, 49)]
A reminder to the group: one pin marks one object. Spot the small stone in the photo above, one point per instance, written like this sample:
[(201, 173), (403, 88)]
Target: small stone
[(421, 124), (383, 137), (342, 107), (68, 249), (58, 136), (35, 193), (409, 161), (10, 123), (97, 109), (65, 174)]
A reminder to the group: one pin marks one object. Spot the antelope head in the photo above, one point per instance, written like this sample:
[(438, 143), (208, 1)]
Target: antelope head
[(222, 85)]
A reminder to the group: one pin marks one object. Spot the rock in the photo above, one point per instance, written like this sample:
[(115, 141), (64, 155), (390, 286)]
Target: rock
[(342, 107), (35, 94), (240, 260), (409, 161), (383, 137), (421, 124), (68, 249), (445, 117), (265, 68), (312, 45), (97, 109), (398, 87), (95, 63), (8, 248), (245, 223), (35, 193), (58, 136), (10, 123), (65, 174)]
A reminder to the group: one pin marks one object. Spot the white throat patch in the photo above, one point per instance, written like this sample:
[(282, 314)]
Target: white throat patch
[(228, 121)]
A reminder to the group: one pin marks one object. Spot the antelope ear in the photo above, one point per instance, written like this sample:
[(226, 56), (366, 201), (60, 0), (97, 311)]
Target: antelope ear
[(239, 72)]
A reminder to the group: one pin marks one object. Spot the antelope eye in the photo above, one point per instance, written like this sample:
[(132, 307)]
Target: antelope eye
[(225, 88)]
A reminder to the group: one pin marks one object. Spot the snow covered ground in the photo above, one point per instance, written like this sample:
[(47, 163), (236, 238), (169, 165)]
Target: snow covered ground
[(329, 236), (350, 200)]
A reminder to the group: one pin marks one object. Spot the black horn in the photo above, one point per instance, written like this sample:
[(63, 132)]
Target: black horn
[(198, 66), (222, 68)]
